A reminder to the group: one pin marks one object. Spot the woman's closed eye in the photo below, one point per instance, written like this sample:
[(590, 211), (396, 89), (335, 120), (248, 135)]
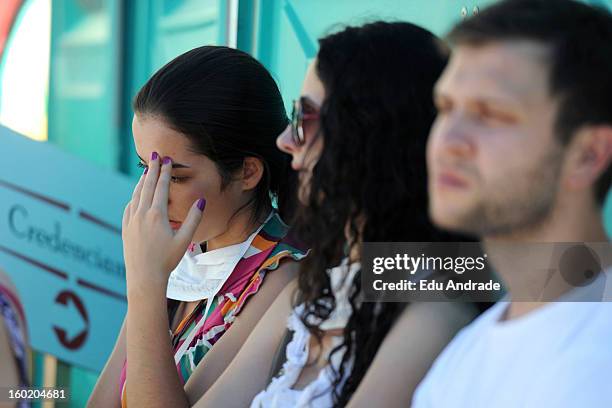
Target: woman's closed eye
[(173, 179)]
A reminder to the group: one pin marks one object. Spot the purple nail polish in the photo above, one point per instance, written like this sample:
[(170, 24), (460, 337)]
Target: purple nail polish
[(167, 160), (154, 156), (146, 170), (201, 204)]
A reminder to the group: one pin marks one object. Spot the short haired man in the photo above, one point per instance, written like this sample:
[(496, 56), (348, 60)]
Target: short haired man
[(521, 152)]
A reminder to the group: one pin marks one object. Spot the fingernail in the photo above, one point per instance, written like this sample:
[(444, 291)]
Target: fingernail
[(201, 204), (146, 170), (166, 160), (154, 156)]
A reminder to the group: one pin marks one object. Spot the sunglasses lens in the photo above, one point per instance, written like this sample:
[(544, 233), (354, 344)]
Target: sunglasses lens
[(297, 131)]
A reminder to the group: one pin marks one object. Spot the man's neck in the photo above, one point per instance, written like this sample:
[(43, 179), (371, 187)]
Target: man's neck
[(527, 283)]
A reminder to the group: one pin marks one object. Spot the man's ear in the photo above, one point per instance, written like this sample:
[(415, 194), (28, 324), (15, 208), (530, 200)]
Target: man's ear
[(252, 172), (590, 155)]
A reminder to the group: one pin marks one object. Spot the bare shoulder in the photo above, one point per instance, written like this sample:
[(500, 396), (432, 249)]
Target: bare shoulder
[(444, 318), (277, 280), (288, 267), (283, 283), (280, 289), (420, 333), (444, 312)]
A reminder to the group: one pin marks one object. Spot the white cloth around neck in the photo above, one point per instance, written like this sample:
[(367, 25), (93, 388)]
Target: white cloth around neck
[(200, 275)]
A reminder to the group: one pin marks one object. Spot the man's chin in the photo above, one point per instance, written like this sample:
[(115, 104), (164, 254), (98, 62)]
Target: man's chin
[(453, 220)]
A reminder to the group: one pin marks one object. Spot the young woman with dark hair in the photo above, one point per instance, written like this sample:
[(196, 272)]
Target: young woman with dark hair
[(357, 139), (203, 229)]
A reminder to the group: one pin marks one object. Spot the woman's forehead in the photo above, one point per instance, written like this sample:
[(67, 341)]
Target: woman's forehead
[(312, 86), (152, 134)]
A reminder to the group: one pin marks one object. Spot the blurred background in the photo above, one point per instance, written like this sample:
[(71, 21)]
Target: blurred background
[(69, 69)]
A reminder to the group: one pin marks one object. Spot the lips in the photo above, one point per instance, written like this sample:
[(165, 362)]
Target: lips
[(451, 180), (175, 224)]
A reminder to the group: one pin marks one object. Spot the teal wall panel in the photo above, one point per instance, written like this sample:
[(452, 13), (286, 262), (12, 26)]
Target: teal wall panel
[(85, 79), (288, 29), (102, 52), (84, 108)]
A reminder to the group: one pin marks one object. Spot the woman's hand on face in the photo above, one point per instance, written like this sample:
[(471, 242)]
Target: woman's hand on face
[(151, 248)]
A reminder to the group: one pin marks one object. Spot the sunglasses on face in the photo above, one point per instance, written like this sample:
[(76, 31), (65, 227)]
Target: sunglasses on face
[(304, 111)]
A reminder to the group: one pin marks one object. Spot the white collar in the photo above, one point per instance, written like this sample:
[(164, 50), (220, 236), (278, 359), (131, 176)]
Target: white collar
[(200, 275)]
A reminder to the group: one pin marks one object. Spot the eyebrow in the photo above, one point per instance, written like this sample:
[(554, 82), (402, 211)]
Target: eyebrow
[(486, 99), (174, 165)]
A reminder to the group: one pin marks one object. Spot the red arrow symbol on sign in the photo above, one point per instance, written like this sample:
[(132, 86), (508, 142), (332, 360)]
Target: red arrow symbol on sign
[(72, 344)]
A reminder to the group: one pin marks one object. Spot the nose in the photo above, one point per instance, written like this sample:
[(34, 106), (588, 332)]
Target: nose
[(450, 136), (284, 141)]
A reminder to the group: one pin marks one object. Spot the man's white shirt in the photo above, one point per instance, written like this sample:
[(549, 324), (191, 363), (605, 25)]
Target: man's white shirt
[(557, 356)]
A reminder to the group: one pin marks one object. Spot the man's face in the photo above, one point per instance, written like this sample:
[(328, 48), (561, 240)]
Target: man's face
[(493, 160)]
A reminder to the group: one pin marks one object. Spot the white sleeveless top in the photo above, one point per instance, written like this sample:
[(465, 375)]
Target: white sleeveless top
[(317, 394)]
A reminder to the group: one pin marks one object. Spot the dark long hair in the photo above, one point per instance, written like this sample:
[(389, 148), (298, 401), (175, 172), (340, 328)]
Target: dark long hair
[(229, 107), (371, 175)]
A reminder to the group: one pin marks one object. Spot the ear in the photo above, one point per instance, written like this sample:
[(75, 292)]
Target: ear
[(252, 172), (590, 155)]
